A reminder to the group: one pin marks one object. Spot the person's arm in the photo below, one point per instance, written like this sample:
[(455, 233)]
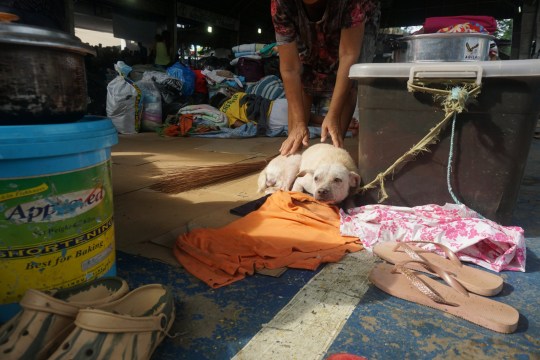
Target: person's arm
[(349, 51), (291, 69)]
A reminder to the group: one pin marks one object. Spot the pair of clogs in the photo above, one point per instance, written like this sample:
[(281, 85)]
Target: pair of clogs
[(100, 319)]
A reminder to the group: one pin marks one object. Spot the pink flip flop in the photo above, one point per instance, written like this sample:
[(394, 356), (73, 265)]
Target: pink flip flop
[(401, 281), (474, 280)]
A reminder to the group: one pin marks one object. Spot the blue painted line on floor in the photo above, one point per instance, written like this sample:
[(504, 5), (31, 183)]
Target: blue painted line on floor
[(213, 324), (385, 327)]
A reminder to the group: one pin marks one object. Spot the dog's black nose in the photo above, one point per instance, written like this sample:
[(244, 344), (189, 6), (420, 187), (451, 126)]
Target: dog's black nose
[(322, 191)]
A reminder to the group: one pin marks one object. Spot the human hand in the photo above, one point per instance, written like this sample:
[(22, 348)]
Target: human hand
[(331, 127), (298, 137)]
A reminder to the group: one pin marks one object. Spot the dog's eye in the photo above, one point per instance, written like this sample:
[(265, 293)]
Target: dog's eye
[(337, 180), (316, 178)]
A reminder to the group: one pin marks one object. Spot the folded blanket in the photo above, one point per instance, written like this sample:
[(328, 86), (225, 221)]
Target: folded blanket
[(269, 50), (207, 113), (247, 53), (248, 47)]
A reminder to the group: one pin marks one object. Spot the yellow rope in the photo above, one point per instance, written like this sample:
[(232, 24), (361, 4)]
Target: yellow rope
[(454, 102)]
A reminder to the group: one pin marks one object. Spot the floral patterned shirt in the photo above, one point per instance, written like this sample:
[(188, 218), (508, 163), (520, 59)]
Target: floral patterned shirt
[(318, 41)]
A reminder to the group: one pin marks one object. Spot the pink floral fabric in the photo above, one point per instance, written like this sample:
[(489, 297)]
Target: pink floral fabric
[(472, 237)]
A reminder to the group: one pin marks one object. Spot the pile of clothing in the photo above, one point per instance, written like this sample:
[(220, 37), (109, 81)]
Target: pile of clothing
[(254, 61)]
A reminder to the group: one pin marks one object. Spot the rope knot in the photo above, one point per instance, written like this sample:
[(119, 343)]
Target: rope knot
[(456, 93), (456, 100)]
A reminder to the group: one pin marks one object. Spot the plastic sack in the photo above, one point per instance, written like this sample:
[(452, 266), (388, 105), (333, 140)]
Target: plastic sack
[(122, 68), (186, 75), (124, 102), (169, 86), (151, 104)]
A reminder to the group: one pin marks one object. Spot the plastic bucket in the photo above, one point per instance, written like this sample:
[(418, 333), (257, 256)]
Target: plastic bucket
[(56, 207)]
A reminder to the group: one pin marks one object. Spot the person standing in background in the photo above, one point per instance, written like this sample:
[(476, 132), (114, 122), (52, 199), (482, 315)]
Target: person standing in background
[(162, 59), (318, 41)]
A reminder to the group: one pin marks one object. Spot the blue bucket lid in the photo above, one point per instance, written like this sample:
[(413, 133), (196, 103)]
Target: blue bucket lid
[(38, 141)]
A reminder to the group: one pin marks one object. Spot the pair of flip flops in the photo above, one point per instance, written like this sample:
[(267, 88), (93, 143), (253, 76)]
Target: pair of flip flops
[(413, 274), (100, 319)]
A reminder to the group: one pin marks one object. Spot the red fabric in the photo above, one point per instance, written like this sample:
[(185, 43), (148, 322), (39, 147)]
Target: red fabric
[(185, 123), (200, 82), (345, 356), (290, 229), (434, 24)]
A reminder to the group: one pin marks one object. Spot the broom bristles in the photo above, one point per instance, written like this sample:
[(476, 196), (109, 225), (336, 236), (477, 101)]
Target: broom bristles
[(193, 177)]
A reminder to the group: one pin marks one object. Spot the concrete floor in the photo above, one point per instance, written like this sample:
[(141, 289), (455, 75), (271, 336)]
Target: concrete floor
[(252, 318)]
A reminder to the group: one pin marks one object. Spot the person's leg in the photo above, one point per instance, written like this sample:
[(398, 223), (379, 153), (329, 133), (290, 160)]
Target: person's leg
[(348, 109)]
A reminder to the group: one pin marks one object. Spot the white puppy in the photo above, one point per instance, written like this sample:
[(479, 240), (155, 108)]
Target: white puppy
[(279, 174), (327, 173)]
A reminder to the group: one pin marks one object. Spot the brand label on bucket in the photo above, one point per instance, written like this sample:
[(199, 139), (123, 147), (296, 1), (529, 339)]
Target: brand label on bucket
[(56, 231)]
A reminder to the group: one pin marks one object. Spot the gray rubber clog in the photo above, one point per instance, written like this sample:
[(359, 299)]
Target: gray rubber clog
[(47, 318), (129, 328)]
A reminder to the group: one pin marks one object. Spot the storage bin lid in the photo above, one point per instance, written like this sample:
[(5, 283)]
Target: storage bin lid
[(498, 68)]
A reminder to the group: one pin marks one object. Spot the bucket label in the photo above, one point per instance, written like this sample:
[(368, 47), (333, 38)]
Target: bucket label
[(59, 208), (56, 231)]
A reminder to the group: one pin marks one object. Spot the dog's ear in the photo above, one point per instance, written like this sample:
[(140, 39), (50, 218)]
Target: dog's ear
[(261, 182), (354, 180), (304, 173), (301, 174)]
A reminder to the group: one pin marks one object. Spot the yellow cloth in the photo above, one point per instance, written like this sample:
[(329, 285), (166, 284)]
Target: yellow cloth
[(233, 110)]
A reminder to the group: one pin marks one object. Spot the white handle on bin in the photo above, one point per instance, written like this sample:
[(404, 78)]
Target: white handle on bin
[(442, 71)]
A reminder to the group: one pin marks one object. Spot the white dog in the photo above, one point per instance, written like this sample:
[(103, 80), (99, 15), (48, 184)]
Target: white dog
[(328, 173), (324, 171), (279, 174)]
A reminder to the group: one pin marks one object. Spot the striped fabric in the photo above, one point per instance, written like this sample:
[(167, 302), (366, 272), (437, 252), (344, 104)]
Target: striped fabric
[(269, 87)]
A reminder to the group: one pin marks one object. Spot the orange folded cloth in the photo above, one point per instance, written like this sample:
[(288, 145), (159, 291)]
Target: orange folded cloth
[(290, 229)]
